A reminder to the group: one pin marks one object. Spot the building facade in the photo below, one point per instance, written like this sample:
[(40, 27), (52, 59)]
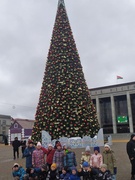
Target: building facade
[(21, 128), (115, 107), (5, 123)]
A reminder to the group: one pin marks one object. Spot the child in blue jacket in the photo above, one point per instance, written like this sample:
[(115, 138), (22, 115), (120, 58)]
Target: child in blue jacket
[(65, 174), (18, 172), (74, 175)]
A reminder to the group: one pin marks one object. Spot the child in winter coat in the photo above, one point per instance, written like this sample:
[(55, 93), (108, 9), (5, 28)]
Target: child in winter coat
[(58, 158), (53, 174), (74, 175), (32, 173), (49, 154), (87, 173), (104, 174), (85, 156), (109, 159), (65, 174), (42, 174), (96, 159), (70, 159), (18, 172), (28, 154)]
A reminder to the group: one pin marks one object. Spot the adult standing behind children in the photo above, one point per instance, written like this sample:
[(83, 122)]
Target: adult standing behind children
[(109, 160), (28, 154), (131, 154), (16, 144), (38, 157)]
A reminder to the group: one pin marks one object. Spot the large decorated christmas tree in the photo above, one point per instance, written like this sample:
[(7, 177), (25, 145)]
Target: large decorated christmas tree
[(65, 107)]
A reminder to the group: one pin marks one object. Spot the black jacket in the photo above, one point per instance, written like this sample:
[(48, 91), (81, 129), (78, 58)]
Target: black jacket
[(131, 147), (87, 175), (16, 144), (104, 176)]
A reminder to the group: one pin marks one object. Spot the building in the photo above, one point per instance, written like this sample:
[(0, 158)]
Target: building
[(115, 107), (5, 123), (21, 128)]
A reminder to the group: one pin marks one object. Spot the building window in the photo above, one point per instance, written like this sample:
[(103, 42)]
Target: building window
[(4, 122), (15, 125)]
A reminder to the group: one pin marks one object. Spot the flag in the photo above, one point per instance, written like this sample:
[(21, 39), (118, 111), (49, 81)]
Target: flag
[(119, 77)]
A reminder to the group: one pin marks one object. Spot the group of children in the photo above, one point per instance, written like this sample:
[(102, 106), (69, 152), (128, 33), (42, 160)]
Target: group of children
[(61, 164)]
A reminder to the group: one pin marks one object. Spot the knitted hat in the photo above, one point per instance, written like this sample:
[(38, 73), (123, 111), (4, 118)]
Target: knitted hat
[(97, 149), (16, 165), (74, 168), (85, 164), (103, 166), (30, 141), (50, 145), (54, 165), (87, 148), (38, 144), (58, 144), (107, 145)]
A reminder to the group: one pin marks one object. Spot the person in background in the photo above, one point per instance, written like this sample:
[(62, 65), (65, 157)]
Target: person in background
[(28, 153), (49, 154), (85, 156), (96, 159), (103, 174), (131, 154), (23, 146), (16, 144), (53, 174), (18, 172), (58, 158), (110, 160), (38, 157), (70, 159)]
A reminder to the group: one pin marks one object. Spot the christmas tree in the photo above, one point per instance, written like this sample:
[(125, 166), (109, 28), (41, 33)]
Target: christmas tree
[(65, 107)]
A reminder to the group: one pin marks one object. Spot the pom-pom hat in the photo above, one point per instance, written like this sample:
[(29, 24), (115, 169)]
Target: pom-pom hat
[(54, 165), (38, 144), (107, 145), (85, 164), (87, 148), (97, 149)]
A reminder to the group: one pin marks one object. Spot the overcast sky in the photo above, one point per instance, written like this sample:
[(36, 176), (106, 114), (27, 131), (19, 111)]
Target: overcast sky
[(104, 31)]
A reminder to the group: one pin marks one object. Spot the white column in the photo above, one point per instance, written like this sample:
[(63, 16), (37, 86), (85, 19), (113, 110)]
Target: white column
[(98, 110), (130, 113), (22, 133), (113, 115)]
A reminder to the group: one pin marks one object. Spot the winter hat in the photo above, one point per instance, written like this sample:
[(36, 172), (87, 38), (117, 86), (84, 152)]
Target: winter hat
[(58, 144), (87, 148), (73, 168), (85, 164), (38, 144), (97, 149), (30, 141), (54, 165), (50, 145), (107, 145), (16, 165), (103, 166)]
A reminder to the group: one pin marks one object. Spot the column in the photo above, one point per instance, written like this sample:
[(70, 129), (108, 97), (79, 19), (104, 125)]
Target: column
[(98, 110), (130, 113), (22, 133), (113, 115), (9, 137)]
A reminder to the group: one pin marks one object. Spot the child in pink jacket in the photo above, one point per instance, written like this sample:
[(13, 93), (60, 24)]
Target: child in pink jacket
[(96, 159)]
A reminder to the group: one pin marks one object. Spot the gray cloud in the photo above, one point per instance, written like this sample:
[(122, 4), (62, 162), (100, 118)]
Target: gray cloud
[(103, 31)]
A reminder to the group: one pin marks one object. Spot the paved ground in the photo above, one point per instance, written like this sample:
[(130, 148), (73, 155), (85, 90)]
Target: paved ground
[(119, 147)]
